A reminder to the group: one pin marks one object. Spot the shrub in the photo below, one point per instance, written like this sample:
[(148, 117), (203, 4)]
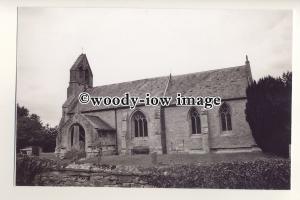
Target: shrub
[(29, 166), (97, 147), (259, 174)]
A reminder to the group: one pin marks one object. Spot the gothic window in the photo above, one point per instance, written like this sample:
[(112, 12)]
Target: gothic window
[(195, 121), (225, 117), (140, 128)]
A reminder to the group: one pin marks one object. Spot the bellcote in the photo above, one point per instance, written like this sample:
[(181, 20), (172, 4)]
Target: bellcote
[(81, 76), (81, 72)]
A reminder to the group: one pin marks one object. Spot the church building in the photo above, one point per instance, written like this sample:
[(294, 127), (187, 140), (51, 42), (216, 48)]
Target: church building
[(162, 129)]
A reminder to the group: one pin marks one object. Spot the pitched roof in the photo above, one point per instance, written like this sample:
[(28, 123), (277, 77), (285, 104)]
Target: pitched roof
[(94, 121), (99, 123), (138, 88), (226, 83), (81, 61)]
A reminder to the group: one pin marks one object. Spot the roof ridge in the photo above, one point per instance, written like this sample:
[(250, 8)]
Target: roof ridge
[(173, 76), (144, 79), (211, 70)]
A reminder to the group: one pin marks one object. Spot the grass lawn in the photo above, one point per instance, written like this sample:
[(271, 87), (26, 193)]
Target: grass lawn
[(171, 159)]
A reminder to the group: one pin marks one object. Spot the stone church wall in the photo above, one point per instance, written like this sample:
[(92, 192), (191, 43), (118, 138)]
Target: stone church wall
[(126, 139), (179, 132), (90, 133), (240, 136), (181, 139)]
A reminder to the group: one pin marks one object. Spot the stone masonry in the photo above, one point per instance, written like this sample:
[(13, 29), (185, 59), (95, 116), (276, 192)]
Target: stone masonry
[(169, 129)]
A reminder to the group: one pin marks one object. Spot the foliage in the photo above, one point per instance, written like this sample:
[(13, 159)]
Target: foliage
[(49, 138), (35, 150), (259, 174), (97, 146), (28, 166), (268, 112), (31, 131)]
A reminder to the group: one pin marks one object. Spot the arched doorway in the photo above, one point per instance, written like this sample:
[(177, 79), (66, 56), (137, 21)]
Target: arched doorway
[(77, 137)]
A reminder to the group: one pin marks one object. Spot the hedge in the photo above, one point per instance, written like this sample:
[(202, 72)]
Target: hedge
[(29, 166), (259, 174)]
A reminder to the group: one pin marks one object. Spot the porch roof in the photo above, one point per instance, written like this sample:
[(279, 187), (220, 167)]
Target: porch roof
[(99, 123)]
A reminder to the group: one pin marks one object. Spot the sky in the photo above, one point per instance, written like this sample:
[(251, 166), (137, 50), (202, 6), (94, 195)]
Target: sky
[(130, 44)]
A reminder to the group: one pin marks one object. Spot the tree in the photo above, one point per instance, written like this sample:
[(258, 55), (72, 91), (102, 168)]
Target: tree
[(29, 128), (31, 132), (49, 138), (268, 112)]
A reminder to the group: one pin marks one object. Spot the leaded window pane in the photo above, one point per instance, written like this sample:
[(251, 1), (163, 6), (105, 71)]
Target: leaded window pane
[(225, 116), (223, 121), (198, 124), (136, 128), (228, 117), (140, 125), (195, 122), (141, 134), (193, 125), (145, 128)]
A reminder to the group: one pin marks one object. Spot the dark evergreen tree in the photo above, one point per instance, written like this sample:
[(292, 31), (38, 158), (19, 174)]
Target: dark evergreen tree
[(268, 112)]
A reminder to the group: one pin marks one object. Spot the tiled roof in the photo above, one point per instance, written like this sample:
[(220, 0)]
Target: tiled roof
[(139, 88), (99, 123), (226, 83)]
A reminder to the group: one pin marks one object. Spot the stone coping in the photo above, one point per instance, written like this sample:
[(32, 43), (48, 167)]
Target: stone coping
[(111, 172)]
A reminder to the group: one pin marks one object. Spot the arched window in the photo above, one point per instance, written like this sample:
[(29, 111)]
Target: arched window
[(195, 121), (225, 116), (139, 124)]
